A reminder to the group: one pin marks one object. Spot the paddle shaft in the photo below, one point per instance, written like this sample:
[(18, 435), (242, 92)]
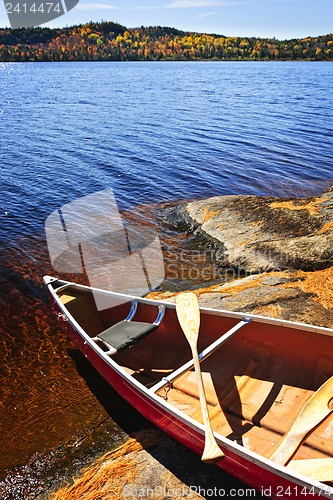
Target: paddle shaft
[(189, 318), (211, 450), (313, 412)]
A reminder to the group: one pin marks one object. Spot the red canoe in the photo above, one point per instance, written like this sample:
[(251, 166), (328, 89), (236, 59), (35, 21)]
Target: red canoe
[(268, 383)]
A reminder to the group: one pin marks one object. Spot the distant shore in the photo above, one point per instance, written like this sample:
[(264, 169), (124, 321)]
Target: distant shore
[(108, 41)]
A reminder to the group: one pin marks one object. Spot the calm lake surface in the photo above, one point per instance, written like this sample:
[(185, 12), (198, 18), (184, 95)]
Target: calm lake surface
[(156, 133)]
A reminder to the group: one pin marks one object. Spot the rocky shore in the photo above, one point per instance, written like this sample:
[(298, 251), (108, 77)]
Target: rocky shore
[(150, 465), (259, 233), (282, 247)]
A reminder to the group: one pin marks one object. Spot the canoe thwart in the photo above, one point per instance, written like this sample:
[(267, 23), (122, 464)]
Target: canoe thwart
[(202, 356)]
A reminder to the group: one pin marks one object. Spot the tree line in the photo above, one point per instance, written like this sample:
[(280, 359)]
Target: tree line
[(108, 41)]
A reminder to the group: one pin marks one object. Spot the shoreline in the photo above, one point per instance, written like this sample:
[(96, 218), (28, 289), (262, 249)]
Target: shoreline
[(278, 248), (107, 41)]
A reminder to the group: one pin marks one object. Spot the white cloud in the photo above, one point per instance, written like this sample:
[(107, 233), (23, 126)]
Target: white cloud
[(149, 7), (205, 14), (95, 6), (186, 4)]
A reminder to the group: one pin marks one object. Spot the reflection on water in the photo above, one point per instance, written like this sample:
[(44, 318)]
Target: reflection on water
[(45, 403)]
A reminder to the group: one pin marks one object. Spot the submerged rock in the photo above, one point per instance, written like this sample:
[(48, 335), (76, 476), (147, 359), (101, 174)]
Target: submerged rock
[(259, 233)]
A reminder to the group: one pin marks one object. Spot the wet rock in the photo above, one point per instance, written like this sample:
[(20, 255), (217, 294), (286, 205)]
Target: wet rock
[(258, 233)]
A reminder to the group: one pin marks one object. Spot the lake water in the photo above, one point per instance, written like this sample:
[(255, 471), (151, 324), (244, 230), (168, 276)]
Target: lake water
[(154, 133)]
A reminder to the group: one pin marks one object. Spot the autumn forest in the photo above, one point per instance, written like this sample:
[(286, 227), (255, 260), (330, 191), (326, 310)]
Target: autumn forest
[(107, 41)]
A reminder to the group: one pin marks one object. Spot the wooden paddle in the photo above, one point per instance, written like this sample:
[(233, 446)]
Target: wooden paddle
[(320, 469), (189, 318), (318, 407)]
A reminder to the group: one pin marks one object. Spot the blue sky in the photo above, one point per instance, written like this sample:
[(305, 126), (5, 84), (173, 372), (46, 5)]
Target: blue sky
[(266, 18)]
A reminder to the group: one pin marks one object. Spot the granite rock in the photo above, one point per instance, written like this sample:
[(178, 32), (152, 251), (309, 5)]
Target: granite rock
[(259, 233)]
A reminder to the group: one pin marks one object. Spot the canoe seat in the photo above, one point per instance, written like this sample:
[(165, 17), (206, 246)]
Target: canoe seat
[(126, 333)]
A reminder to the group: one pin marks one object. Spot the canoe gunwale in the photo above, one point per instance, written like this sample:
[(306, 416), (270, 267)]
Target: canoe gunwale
[(214, 312), (150, 396)]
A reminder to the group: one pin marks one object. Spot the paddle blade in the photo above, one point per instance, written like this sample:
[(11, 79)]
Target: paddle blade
[(212, 452), (188, 314), (320, 469), (315, 410)]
